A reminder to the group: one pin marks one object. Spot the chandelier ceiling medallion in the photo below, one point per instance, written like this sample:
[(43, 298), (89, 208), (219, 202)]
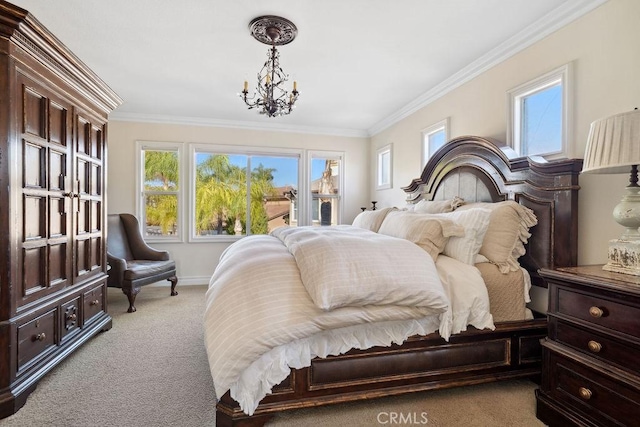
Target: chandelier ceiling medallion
[(270, 97)]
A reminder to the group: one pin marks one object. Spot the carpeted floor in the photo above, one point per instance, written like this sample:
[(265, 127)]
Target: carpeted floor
[(151, 370)]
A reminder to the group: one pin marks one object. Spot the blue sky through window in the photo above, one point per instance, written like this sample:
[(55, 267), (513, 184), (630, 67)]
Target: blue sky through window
[(286, 168)]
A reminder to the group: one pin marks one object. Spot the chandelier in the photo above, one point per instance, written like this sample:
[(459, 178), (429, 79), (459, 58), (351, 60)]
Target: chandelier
[(270, 97)]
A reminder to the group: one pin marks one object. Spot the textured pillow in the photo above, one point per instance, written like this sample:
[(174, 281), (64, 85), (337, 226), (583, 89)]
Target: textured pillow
[(438, 206), (475, 223), (426, 231), (507, 233), (371, 220)]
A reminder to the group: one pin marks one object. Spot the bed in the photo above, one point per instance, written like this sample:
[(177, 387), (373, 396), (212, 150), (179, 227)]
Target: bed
[(481, 172)]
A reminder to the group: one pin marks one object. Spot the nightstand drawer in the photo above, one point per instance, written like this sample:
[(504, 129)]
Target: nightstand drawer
[(625, 355), (610, 314), (602, 399)]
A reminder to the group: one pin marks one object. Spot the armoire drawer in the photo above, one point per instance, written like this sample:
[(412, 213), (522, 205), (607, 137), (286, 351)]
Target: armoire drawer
[(35, 338), (93, 303)]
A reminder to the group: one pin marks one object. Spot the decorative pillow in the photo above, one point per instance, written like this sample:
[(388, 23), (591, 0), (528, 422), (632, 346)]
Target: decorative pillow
[(507, 233), (371, 220), (438, 206), (426, 231), (475, 223)]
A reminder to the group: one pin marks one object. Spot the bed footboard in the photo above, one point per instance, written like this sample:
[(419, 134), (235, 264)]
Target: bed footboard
[(512, 350)]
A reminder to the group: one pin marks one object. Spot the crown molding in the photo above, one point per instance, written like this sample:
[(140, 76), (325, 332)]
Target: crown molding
[(271, 127), (551, 22)]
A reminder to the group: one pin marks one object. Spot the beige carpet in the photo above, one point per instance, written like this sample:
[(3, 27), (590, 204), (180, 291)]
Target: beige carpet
[(151, 370)]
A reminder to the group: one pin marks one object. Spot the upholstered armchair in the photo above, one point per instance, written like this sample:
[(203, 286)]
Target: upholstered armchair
[(132, 263)]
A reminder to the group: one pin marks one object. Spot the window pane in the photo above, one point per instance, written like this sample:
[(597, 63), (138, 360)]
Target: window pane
[(220, 194), (436, 141), (542, 121), (274, 185), (161, 213), (325, 191), (160, 170)]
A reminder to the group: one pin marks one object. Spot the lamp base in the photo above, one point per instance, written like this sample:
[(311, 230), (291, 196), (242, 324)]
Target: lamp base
[(624, 257)]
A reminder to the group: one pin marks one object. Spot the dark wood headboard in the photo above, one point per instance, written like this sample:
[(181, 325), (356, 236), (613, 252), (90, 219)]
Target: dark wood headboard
[(481, 169)]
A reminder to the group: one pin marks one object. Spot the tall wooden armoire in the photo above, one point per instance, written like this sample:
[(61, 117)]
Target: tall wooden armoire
[(53, 125)]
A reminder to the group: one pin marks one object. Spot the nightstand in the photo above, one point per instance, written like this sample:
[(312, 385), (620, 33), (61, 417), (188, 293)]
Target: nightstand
[(591, 357)]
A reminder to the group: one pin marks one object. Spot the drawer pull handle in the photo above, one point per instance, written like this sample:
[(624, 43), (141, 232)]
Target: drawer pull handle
[(585, 393), (72, 317), (596, 311), (40, 337), (94, 302), (594, 346)]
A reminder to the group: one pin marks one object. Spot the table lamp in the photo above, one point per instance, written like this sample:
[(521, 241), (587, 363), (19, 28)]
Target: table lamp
[(613, 146)]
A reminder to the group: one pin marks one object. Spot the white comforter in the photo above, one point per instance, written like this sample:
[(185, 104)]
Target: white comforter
[(260, 321)]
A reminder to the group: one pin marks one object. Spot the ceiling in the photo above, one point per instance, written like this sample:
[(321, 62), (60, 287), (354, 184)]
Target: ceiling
[(360, 65)]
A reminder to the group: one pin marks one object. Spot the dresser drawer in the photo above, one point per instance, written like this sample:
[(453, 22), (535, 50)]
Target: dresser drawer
[(35, 338), (623, 354), (93, 303), (610, 314), (600, 398)]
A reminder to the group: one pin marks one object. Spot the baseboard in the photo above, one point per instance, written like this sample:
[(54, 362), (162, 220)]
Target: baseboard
[(185, 281)]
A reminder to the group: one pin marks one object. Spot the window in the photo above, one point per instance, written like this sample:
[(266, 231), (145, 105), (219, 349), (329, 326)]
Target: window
[(160, 187), (433, 138), (326, 188), (239, 193), (384, 170), (235, 191), (539, 115)]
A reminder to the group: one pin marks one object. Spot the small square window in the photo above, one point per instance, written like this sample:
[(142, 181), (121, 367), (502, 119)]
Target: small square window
[(538, 115), (433, 138)]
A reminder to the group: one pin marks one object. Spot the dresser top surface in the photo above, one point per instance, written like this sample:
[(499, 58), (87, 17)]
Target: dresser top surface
[(594, 275)]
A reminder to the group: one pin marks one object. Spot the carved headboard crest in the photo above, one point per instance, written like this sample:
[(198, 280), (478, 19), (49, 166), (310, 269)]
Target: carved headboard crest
[(481, 169)]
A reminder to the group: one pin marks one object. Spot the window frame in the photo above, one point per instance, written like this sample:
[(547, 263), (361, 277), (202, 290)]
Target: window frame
[(561, 75), (327, 155), (140, 192), (248, 151), (442, 125), (381, 184)]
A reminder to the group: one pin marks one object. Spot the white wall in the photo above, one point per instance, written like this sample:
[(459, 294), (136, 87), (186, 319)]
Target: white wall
[(196, 261), (604, 48)]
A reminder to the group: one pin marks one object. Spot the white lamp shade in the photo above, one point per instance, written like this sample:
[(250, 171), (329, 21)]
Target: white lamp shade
[(613, 144)]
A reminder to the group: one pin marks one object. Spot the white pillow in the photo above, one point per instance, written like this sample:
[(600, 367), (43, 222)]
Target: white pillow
[(475, 222), (371, 220), (438, 206), (428, 232)]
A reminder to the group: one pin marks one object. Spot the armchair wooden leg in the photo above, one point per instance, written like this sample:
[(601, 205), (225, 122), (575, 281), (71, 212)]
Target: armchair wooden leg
[(131, 295), (174, 282)]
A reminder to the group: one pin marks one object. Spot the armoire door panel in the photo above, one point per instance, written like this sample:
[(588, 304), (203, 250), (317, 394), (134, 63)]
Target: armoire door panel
[(83, 135), (58, 261), (57, 124), (96, 142), (34, 112), (34, 165), (57, 170), (82, 221), (34, 214), (34, 265), (82, 176), (57, 217), (96, 217), (95, 184)]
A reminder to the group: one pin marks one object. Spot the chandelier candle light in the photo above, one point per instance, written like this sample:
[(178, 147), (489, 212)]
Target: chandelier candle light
[(613, 146), (270, 97)]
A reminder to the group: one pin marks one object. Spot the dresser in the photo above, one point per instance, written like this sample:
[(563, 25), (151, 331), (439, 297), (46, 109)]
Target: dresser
[(53, 121), (591, 357)]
